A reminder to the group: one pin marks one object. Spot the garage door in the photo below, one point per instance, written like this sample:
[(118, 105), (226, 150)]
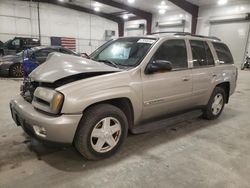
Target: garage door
[(235, 35)]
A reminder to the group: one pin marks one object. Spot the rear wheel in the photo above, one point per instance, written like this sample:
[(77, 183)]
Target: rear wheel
[(243, 66), (216, 104), (16, 70), (101, 132)]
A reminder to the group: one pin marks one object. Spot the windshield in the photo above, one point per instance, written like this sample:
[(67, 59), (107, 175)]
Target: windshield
[(124, 51)]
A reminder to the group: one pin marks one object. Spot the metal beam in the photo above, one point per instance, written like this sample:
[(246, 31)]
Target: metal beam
[(190, 8), (138, 12), (82, 9)]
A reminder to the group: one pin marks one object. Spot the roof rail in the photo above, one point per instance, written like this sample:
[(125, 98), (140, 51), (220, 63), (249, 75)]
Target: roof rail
[(187, 34), (171, 32)]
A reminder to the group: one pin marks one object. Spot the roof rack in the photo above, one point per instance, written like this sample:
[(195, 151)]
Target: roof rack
[(187, 34)]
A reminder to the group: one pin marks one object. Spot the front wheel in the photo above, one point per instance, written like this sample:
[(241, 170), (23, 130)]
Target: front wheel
[(16, 70), (216, 104), (101, 132)]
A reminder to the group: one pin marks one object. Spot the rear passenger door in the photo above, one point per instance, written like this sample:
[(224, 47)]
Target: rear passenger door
[(202, 72)]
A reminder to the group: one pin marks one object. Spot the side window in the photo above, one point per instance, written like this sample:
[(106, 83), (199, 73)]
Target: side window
[(44, 52), (16, 43), (202, 55), (174, 51), (65, 51), (210, 58), (223, 53)]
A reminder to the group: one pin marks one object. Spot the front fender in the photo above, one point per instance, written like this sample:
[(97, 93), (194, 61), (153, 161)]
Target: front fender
[(79, 104)]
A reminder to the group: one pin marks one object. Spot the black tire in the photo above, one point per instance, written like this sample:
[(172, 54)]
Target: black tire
[(16, 71), (93, 115), (208, 111), (243, 66)]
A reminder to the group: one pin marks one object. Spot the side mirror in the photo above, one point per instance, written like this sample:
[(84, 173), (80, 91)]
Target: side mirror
[(158, 66), (85, 55)]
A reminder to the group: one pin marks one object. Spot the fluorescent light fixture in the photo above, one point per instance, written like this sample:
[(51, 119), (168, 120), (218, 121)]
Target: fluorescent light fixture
[(222, 2), (97, 9), (162, 11), (131, 1), (125, 16), (61, 0), (96, 4), (163, 3)]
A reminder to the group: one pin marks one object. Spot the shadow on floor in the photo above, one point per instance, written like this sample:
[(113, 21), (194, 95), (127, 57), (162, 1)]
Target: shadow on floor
[(68, 159)]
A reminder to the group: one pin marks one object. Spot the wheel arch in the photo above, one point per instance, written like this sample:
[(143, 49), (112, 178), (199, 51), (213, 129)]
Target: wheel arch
[(226, 87), (123, 104), (13, 64)]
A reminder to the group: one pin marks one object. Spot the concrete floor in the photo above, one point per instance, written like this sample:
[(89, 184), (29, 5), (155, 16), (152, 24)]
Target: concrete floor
[(197, 153)]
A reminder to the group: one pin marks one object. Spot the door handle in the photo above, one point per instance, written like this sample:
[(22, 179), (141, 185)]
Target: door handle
[(185, 79)]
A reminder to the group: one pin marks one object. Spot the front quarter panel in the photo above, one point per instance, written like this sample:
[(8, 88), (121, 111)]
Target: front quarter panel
[(81, 94)]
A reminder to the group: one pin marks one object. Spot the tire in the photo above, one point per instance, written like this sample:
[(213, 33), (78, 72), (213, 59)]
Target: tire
[(243, 66), (214, 108), (16, 71), (95, 122)]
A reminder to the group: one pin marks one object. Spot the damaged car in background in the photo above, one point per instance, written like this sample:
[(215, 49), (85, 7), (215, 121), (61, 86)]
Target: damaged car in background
[(11, 65), (128, 84)]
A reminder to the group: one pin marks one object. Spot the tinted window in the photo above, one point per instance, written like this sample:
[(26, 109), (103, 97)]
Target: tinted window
[(173, 51), (65, 51), (44, 52), (16, 42), (223, 53), (210, 58), (202, 55)]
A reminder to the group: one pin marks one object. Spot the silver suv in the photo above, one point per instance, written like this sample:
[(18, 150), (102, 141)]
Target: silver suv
[(134, 84)]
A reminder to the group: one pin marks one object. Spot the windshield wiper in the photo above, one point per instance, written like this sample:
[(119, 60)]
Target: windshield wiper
[(108, 62)]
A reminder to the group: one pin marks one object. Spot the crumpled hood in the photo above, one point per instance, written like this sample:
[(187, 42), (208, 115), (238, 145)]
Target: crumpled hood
[(59, 66)]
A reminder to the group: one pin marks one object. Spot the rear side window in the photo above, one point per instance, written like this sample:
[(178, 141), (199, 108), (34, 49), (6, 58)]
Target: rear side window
[(202, 55), (223, 53), (174, 51)]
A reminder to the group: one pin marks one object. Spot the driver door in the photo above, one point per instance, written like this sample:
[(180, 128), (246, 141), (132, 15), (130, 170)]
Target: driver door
[(171, 91)]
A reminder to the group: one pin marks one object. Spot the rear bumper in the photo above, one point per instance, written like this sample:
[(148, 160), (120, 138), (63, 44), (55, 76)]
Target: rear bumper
[(60, 129)]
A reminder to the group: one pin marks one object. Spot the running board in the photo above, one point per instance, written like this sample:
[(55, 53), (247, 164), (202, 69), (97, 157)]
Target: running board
[(151, 126)]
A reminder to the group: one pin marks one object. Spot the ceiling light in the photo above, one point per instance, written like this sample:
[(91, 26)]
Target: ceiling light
[(222, 2), (162, 11), (96, 4), (125, 16), (97, 9), (61, 0), (163, 3), (131, 1)]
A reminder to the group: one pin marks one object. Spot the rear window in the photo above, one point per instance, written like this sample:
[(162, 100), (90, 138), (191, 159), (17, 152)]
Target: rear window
[(223, 53)]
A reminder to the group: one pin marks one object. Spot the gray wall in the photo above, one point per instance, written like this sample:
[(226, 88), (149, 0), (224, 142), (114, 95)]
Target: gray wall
[(20, 19)]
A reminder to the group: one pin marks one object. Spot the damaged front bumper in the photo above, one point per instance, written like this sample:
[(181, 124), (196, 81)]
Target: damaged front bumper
[(60, 129)]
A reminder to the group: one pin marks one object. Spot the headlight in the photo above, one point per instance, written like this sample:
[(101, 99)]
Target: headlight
[(48, 100)]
